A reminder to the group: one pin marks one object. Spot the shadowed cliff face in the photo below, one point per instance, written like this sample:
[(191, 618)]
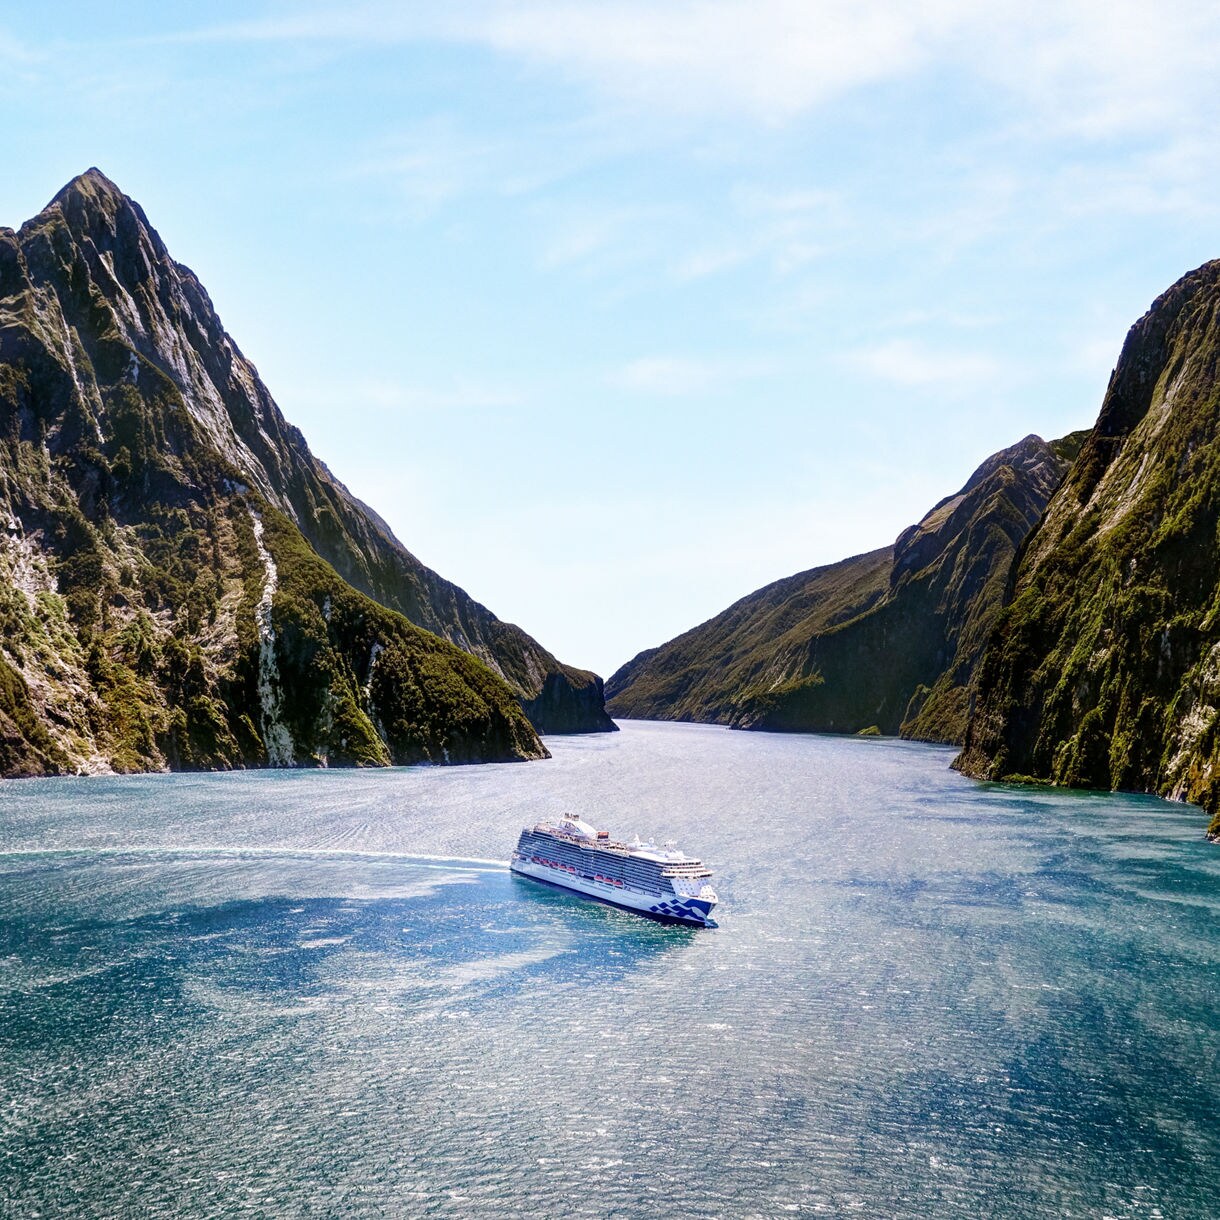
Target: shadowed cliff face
[(1105, 669), (186, 584), (887, 640)]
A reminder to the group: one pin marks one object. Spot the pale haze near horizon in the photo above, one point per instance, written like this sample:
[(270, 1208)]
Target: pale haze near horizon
[(616, 312)]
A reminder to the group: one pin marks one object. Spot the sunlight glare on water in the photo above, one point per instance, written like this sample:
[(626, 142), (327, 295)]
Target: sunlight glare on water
[(322, 993)]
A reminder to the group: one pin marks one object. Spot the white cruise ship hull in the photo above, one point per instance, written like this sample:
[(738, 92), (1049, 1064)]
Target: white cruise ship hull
[(675, 907)]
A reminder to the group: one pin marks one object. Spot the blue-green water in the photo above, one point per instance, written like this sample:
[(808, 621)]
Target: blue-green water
[(318, 994)]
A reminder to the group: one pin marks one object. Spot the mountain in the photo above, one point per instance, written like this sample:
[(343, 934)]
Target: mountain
[(1105, 669), (186, 584), (885, 641)]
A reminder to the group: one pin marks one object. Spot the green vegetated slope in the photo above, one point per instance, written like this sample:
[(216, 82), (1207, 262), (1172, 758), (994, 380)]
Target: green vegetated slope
[(701, 674), (1105, 669), (183, 584), (885, 641)]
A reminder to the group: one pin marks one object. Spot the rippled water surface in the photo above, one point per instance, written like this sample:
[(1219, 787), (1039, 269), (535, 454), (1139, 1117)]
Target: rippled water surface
[(323, 994)]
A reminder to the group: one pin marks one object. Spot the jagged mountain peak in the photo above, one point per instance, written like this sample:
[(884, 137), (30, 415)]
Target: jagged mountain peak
[(140, 450), (97, 211), (1028, 451), (1030, 462), (90, 185)]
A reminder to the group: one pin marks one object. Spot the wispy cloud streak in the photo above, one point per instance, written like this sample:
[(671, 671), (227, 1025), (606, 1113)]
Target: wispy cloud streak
[(1082, 68)]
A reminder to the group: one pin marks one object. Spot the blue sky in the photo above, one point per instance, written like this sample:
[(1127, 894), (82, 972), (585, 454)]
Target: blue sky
[(618, 311)]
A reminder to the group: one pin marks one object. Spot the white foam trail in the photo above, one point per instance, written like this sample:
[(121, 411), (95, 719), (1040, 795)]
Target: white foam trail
[(470, 863)]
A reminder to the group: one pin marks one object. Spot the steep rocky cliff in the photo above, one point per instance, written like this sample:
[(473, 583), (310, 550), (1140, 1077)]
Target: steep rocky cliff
[(886, 640), (185, 584), (1105, 669)]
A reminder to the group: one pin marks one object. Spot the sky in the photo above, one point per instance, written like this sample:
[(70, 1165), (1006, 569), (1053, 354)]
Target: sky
[(618, 311)]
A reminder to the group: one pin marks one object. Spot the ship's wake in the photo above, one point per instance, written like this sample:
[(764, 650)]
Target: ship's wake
[(241, 852)]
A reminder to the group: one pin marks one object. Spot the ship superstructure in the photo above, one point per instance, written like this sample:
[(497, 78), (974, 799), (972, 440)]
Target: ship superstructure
[(658, 881)]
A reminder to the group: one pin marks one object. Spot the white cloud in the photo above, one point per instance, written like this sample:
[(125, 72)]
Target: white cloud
[(1100, 68), (1090, 68), (912, 365), (1085, 68), (774, 58), (771, 58)]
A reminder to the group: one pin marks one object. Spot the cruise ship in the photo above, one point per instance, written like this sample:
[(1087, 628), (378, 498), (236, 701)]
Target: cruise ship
[(661, 882)]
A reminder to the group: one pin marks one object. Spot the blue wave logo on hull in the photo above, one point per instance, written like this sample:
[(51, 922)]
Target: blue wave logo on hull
[(690, 909)]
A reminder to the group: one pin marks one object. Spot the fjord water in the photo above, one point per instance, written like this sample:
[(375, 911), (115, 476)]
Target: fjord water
[(322, 993)]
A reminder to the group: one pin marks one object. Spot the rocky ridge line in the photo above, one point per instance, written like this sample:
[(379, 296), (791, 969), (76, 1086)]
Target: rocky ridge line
[(137, 447), (1104, 671), (883, 642)]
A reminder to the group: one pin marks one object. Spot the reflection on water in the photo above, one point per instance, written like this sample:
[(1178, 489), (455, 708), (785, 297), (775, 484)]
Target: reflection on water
[(323, 994)]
